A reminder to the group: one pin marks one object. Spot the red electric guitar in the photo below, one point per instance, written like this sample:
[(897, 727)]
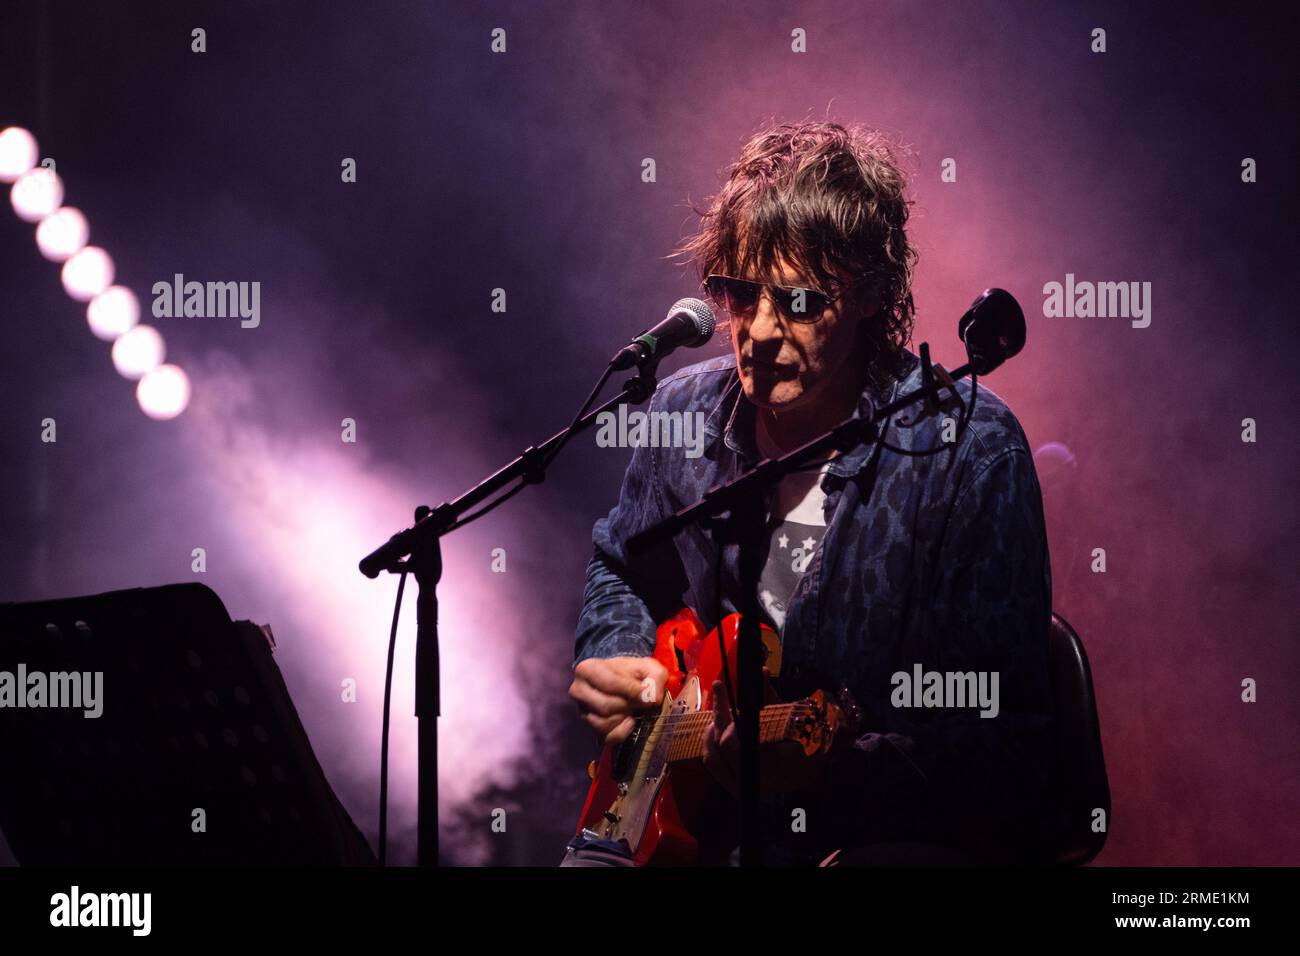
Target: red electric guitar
[(648, 791)]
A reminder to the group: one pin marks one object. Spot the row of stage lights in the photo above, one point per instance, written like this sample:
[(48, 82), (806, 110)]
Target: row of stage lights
[(163, 390)]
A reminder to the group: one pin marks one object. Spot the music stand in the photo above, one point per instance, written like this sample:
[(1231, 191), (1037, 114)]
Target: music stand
[(195, 715)]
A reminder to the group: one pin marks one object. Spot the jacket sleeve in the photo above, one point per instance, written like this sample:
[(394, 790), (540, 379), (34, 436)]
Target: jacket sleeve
[(980, 782), (626, 596)]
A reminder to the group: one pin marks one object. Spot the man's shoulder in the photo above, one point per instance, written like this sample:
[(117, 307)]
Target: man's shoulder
[(696, 386), (993, 425)]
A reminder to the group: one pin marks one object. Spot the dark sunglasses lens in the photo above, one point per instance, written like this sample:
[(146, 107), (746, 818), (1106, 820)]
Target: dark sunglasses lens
[(801, 305), (736, 294)]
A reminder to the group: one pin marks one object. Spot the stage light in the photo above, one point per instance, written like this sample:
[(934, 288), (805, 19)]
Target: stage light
[(88, 273), (62, 233), (138, 352), (36, 194), (164, 392), (17, 153), (113, 312)]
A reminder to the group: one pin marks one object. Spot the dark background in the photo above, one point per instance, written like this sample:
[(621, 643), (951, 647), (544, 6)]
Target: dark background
[(522, 171)]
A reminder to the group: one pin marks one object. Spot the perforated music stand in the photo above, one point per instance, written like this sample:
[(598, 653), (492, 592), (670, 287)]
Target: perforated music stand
[(195, 716)]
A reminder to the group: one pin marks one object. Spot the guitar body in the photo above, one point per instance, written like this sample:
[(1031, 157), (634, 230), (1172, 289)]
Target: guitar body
[(649, 791)]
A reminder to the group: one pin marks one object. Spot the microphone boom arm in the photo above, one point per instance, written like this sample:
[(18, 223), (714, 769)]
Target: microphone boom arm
[(437, 521)]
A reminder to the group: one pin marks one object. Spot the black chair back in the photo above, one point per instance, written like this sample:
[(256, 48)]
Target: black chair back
[(1081, 785)]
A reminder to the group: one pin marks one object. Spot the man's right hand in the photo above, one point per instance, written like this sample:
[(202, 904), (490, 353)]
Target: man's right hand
[(610, 691)]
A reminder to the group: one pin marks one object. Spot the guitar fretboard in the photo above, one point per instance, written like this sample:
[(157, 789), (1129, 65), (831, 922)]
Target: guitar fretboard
[(686, 732)]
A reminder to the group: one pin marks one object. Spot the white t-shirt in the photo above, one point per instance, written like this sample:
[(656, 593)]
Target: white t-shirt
[(796, 526)]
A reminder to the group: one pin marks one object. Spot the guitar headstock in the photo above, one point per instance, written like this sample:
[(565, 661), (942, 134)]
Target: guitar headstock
[(818, 717), (815, 721)]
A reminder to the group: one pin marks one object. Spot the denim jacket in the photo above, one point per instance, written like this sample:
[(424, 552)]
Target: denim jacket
[(939, 561)]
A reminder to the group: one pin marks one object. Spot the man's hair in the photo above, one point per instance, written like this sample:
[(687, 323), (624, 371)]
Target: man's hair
[(830, 200)]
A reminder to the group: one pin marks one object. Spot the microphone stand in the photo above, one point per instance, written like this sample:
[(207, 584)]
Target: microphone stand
[(418, 549), (741, 500)]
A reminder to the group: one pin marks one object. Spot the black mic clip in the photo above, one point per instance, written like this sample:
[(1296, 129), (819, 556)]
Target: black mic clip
[(935, 381), (640, 352)]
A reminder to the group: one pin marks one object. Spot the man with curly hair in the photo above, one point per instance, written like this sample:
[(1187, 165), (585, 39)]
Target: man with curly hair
[(881, 568)]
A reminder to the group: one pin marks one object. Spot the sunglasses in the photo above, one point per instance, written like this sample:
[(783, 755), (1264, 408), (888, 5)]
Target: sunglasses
[(740, 297)]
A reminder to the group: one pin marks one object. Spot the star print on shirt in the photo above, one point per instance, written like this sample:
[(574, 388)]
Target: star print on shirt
[(783, 541)]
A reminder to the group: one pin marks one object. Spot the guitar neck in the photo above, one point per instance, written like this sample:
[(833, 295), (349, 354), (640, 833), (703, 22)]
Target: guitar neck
[(686, 732)]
